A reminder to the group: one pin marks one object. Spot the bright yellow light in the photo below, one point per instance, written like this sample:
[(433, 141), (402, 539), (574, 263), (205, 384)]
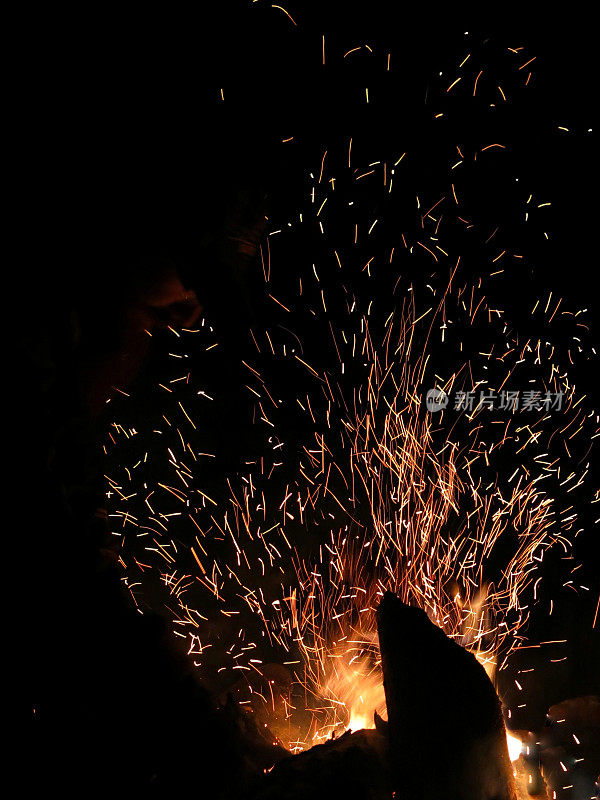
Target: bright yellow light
[(514, 746)]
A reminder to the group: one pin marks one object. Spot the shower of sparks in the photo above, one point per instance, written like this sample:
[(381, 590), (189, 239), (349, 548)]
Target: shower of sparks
[(272, 575)]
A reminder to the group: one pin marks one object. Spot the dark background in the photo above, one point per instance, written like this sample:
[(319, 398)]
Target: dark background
[(125, 144)]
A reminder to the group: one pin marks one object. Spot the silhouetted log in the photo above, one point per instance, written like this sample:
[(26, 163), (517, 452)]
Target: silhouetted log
[(445, 738), (446, 734), (353, 767)]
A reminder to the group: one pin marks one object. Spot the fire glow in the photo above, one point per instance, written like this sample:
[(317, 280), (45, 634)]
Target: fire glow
[(403, 501)]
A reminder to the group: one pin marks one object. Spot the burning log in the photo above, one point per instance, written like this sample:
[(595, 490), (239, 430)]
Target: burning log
[(444, 739), (446, 734)]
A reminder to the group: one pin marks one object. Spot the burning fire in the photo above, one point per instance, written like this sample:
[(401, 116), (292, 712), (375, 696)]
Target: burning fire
[(454, 514), (357, 684)]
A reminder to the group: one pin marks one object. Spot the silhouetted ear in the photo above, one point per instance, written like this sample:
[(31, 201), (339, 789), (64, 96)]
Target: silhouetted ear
[(380, 724)]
